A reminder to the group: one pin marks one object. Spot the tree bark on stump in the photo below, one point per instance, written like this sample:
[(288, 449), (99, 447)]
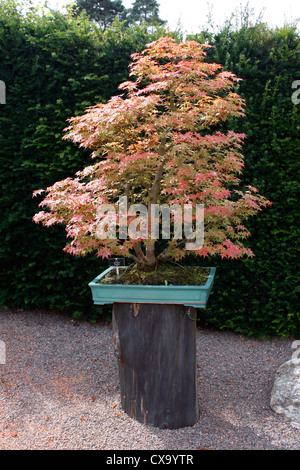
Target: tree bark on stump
[(156, 349)]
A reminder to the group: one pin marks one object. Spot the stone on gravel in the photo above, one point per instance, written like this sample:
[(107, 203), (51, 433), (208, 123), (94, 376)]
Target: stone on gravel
[(285, 394)]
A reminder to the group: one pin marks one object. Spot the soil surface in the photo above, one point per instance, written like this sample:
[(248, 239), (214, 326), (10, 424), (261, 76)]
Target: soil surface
[(165, 274)]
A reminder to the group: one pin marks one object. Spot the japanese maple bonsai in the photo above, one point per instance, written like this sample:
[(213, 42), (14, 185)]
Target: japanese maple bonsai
[(160, 141)]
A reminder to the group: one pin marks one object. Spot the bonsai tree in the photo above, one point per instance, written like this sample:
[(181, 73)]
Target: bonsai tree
[(160, 143), (161, 140)]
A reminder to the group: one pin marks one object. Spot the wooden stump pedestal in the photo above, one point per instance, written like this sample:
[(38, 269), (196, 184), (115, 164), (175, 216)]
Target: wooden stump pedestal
[(156, 349)]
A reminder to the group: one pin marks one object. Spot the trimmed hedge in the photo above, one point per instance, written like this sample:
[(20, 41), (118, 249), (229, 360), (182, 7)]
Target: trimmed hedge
[(54, 66), (261, 295)]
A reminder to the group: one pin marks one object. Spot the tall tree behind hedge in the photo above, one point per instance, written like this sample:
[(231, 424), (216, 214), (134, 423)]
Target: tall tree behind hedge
[(261, 296), (144, 11), (53, 65), (101, 11)]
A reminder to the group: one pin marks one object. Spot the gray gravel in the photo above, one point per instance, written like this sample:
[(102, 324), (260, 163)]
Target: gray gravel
[(60, 390)]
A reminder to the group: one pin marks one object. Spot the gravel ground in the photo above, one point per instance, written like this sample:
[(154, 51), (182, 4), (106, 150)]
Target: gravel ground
[(60, 390)]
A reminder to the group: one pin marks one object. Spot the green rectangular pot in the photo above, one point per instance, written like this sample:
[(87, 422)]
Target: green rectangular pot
[(190, 296)]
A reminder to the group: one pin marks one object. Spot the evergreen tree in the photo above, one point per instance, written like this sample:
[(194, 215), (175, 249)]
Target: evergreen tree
[(145, 10), (101, 11)]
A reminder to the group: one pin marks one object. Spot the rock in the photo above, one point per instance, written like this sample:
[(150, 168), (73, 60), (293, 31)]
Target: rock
[(285, 394)]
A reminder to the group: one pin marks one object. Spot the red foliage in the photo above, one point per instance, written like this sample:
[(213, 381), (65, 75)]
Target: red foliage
[(157, 144)]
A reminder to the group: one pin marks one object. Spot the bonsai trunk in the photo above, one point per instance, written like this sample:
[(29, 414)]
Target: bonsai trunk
[(145, 260), (150, 259), (156, 350)]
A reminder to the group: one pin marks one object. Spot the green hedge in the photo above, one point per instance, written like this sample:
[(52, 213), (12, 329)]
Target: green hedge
[(54, 66), (261, 296)]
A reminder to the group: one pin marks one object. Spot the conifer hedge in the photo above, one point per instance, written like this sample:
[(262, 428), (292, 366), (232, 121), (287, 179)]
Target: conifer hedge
[(54, 66), (260, 296)]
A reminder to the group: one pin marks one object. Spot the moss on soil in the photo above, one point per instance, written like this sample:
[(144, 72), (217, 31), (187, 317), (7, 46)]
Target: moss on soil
[(165, 274)]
